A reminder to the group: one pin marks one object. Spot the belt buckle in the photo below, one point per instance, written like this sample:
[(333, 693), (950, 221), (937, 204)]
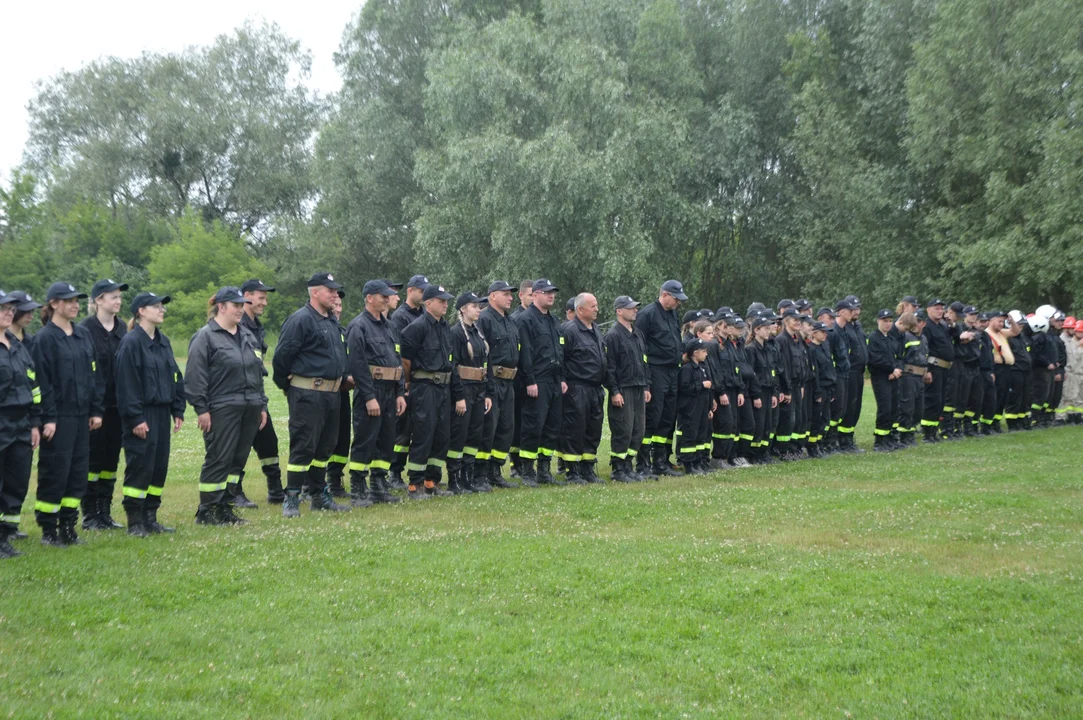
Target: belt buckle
[(317, 382), (378, 374)]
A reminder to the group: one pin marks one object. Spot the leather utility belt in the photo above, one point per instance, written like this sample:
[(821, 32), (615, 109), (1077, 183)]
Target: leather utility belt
[(434, 377), (505, 373), (385, 373), (320, 384), (472, 373), (914, 369), (946, 364)]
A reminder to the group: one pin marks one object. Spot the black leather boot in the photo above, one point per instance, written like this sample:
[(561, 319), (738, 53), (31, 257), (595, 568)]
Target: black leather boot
[(105, 513), (544, 476), (89, 506), (135, 523), (360, 497), (324, 501), (240, 499), (291, 504), (379, 492), (496, 476), (68, 536), (208, 515), (150, 522)]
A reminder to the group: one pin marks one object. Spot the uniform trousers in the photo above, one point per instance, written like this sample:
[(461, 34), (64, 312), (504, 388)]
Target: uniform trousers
[(373, 447), (227, 445), (911, 403), (266, 447), (336, 464), (541, 422), (105, 443), (314, 418), (146, 460), (886, 393), (628, 423), (661, 410), (62, 470), (499, 426), (582, 414), (431, 431), (934, 398), (855, 393), (16, 459), (468, 429)]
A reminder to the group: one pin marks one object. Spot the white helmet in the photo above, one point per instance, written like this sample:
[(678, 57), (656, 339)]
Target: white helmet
[(1046, 311), (1038, 323), (1016, 316)]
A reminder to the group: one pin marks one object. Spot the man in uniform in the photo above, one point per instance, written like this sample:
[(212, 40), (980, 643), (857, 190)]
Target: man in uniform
[(378, 398), (969, 387), (406, 313), (541, 363), (266, 443), (526, 298), (584, 403), (848, 311), (310, 366), (502, 334), (340, 457), (661, 329), (941, 356), (430, 375), (628, 379)]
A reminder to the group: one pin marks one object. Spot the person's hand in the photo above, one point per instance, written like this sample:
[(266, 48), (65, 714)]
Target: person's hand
[(617, 400), (1057, 378), (177, 422), (262, 419), (725, 399), (1052, 367), (993, 377), (819, 401), (348, 383), (710, 415), (646, 396), (786, 399), (35, 437), (48, 430), (707, 384), (488, 405), (563, 387), (460, 407), (203, 420), (372, 407), (740, 399), (532, 390), (802, 393), (714, 405), (400, 406), (774, 401), (141, 430), (95, 422), (757, 403)]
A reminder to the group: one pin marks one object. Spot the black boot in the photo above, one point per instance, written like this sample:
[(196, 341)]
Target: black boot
[(618, 473), (105, 512), (208, 515), (226, 516), (89, 506), (496, 476), (150, 522), (273, 473), (661, 464), (395, 482), (586, 471), (291, 504), (544, 476), (135, 523), (526, 474), (360, 497), (454, 482), (48, 523), (477, 476), (6, 550), (433, 489), (573, 473), (240, 499), (67, 533), (334, 481), (324, 501), (378, 491)]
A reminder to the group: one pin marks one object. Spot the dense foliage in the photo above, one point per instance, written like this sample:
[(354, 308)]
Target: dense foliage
[(752, 148)]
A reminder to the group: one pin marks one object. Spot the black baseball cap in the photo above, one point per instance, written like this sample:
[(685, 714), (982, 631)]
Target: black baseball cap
[(8, 299), (825, 311), (852, 299), (785, 303), (760, 320), (624, 301), (26, 303), (674, 288), (501, 286), (803, 304), (465, 299), (885, 314), (543, 286), (694, 344), (145, 299), (844, 305), (935, 301), (912, 300), (724, 310), (63, 291), (958, 306), (921, 315), (755, 307), (377, 287), (570, 305), (996, 313), (436, 292), (970, 310), (791, 312), (230, 294), (326, 280), (103, 286), (690, 316), (393, 285), (418, 281), (255, 285), (818, 326)]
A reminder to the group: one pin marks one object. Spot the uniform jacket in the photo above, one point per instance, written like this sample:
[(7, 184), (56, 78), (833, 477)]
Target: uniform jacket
[(371, 342), (584, 354), (662, 332), (884, 351), (224, 369), (147, 374), (19, 389), (626, 359), (106, 344), (541, 356), (502, 334), (427, 344), (823, 367), (469, 349), (67, 374), (310, 345)]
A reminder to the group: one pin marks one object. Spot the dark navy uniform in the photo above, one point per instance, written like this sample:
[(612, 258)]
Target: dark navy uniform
[(1044, 354), (310, 365), (855, 385), (794, 356), (541, 363), (839, 342), (743, 414), (150, 390), (939, 337), (20, 411), (470, 353), (987, 368), (583, 406), (826, 379), (764, 360), (884, 350), (661, 330), (426, 345), (502, 334), (72, 391), (628, 373), (693, 415), (340, 456), (1056, 393), (266, 441), (403, 316), (105, 442), (1017, 409), (911, 405), (224, 377)]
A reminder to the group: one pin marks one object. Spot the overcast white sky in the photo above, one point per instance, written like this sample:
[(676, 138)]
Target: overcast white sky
[(40, 38)]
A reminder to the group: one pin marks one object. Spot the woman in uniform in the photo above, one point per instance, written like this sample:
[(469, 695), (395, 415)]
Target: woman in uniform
[(72, 405), (224, 383), (150, 399), (470, 354), (20, 425), (106, 332), (25, 307)]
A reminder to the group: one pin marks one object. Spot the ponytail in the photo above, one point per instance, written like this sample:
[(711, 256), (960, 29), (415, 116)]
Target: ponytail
[(212, 308), (47, 311)]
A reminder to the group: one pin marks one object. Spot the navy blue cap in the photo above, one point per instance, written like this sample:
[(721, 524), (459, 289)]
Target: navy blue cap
[(326, 280), (996, 313), (377, 287), (853, 300), (674, 288), (570, 305), (624, 301), (754, 308), (935, 301), (418, 281), (7, 299), (912, 300), (818, 326), (957, 306), (844, 305), (466, 299), (969, 310), (231, 295), (921, 315), (26, 303), (436, 292), (803, 304), (544, 286), (885, 314), (256, 285), (724, 310), (825, 311), (393, 285), (501, 286), (103, 286), (785, 303), (761, 320), (144, 299), (692, 345), (690, 316), (63, 291), (791, 312)]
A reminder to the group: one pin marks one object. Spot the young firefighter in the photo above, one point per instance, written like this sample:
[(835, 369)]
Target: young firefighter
[(915, 358), (885, 368), (746, 421), (722, 367), (470, 398), (693, 406), (823, 372), (706, 332), (1016, 411), (763, 365)]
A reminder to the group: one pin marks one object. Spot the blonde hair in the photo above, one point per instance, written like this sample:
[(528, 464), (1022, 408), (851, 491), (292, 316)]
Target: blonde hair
[(908, 322)]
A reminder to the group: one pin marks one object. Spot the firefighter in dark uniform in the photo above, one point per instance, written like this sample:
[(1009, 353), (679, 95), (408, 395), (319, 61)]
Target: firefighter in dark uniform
[(470, 398), (379, 396), (24, 315), (661, 329), (1044, 355), (885, 368), (266, 442), (911, 384), (838, 342), (151, 402), (1016, 412), (693, 406), (764, 365), (987, 366), (583, 406), (20, 425), (430, 380), (722, 369), (340, 456), (502, 334), (951, 424), (1056, 394), (405, 314), (310, 366), (224, 384), (822, 364), (72, 405), (106, 332), (794, 355), (541, 363), (746, 418), (628, 379), (526, 299), (970, 388), (939, 336), (848, 310)]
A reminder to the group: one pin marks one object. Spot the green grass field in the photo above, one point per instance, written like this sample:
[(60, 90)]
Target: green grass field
[(940, 581)]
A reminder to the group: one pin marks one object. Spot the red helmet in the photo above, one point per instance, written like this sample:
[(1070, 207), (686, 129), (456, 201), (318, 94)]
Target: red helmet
[(1070, 322)]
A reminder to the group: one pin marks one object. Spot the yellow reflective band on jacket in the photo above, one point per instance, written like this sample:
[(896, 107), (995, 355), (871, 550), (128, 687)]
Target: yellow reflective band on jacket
[(912, 343), (31, 374), (36, 396)]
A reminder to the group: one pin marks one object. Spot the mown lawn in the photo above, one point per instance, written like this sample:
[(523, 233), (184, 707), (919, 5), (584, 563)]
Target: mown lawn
[(936, 582)]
